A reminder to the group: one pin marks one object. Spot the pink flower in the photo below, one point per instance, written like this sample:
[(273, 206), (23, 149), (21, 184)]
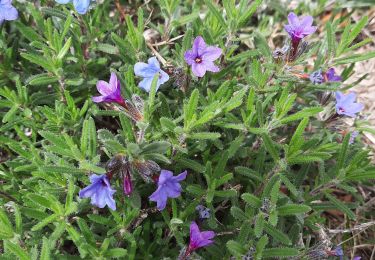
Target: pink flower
[(199, 239), (110, 92), (201, 57)]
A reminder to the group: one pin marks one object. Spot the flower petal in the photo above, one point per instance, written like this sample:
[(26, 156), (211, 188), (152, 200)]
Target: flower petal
[(154, 63), (164, 176), (81, 6), (8, 13), (210, 66), (164, 77), (144, 70), (306, 21), (199, 46), (146, 83), (190, 57), (181, 176), (63, 1), (198, 69), (211, 53), (104, 88), (293, 19)]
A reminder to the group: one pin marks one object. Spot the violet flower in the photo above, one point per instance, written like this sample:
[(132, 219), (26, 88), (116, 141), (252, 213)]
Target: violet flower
[(331, 76), (81, 6), (100, 192), (298, 28), (111, 92), (199, 239), (201, 57), (353, 136), (357, 258), (168, 187), (345, 104), (148, 71), (339, 252), (127, 183), (7, 11)]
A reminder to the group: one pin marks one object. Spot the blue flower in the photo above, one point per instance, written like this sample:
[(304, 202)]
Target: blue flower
[(148, 71), (7, 11), (81, 6), (100, 192), (317, 77), (346, 105), (168, 187)]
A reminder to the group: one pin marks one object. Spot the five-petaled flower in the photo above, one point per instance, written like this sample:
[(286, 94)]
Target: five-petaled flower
[(168, 186), (299, 28), (201, 57), (7, 11), (111, 92), (199, 239), (346, 105), (148, 71), (81, 6), (99, 191)]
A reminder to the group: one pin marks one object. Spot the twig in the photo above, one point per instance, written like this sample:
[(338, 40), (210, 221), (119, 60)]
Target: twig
[(160, 58), (121, 10), (357, 227)]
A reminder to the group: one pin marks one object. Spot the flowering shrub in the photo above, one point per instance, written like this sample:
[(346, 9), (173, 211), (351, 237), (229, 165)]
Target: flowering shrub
[(219, 147)]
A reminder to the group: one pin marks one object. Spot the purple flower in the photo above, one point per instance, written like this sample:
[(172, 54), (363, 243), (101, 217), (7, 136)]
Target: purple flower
[(331, 76), (111, 92), (345, 104), (339, 252), (199, 239), (168, 186), (81, 6), (148, 71), (201, 57), (100, 192), (357, 258), (7, 11), (299, 28), (317, 77)]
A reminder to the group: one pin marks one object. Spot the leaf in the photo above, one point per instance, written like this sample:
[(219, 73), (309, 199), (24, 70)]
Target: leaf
[(204, 136), (64, 50), (88, 138), (271, 147), (354, 58), (252, 200), (237, 213), (261, 244), (39, 60), (280, 252), (341, 206), (306, 112), (156, 147), (116, 252), (45, 254), (16, 250), (297, 140), (277, 234), (191, 164), (235, 248), (6, 230), (191, 108), (214, 10), (249, 12), (45, 222), (107, 48), (259, 225), (293, 209)]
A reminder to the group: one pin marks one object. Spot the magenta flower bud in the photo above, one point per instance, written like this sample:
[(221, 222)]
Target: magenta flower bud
[(110, 91), (127, 184), (201, 57)]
